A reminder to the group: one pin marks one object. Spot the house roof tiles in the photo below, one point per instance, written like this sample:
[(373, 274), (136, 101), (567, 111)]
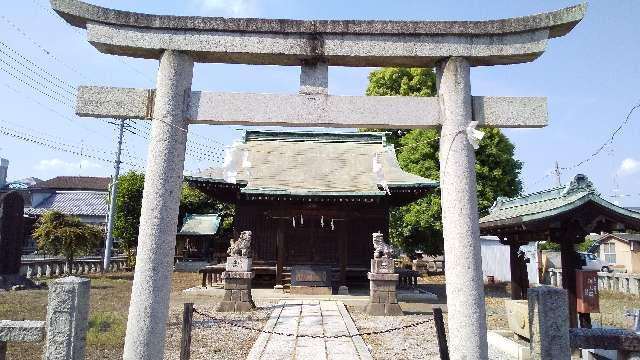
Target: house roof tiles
[(74, 183), (78, 203)]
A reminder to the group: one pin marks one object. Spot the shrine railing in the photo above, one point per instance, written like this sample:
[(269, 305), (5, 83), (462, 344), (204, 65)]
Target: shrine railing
[(38, 268), (615, 282)]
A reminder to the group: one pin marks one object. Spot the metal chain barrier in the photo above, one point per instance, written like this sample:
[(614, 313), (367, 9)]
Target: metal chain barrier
[(377, 332)]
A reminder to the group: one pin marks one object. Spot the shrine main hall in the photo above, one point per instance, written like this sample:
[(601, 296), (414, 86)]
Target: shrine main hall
[(312, 198)]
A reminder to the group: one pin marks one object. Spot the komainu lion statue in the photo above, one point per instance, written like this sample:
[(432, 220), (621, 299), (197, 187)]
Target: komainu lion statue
[(382, 249), (242, 246)]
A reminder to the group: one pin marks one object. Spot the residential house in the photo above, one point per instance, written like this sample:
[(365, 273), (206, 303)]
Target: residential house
[(81, 196), (621, 250)]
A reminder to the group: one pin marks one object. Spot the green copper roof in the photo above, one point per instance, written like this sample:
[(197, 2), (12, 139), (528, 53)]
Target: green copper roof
[(200, 224), (314, 163), (548, 203)]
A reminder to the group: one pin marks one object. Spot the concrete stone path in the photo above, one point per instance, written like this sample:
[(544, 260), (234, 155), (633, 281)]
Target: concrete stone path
[(309, 317)]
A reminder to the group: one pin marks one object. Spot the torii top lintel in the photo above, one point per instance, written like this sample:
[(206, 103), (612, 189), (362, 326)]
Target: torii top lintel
[(336, 42)]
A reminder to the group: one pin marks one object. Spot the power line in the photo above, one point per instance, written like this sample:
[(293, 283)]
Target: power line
[(606, 143), (38, 67), (42, 48), (34, 88)]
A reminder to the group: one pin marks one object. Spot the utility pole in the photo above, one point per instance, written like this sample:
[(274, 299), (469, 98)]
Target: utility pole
[(112, 208), (558, 173)]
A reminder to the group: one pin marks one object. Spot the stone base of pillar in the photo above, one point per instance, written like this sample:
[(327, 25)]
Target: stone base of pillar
[(382, 295), (237, 291)]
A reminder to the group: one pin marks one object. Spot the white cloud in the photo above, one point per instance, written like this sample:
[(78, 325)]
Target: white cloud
[(628, 166), (237, 8), (61, 166)]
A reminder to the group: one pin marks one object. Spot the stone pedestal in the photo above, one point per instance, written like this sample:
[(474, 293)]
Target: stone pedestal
[(237, 291), (239, 263), (382, 295)]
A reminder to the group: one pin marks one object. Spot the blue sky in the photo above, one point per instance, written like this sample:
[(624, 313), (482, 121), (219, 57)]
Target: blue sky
[(590, 78)]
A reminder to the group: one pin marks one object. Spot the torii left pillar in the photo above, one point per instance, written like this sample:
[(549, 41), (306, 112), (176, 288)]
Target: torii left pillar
[(146, 325), (460, 228)]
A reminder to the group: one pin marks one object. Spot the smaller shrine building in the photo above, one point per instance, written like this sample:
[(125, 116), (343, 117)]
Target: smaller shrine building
[(312, 198)]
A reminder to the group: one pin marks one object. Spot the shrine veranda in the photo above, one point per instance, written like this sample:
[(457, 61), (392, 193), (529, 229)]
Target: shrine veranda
[(452, 47)]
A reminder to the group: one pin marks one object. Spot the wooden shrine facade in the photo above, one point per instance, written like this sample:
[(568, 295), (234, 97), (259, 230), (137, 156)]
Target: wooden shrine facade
[(340, 193)]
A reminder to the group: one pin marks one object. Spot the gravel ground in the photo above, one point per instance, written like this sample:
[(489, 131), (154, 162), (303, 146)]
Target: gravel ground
[(413, 343), (211, 340)]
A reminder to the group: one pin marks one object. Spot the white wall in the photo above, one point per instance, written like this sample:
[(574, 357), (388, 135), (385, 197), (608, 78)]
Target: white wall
[(495, 260)]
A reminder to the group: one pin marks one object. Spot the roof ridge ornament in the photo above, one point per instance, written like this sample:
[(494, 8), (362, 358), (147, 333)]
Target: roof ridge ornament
[(581, 183)]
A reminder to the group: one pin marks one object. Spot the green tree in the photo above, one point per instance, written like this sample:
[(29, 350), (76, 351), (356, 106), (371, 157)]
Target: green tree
[(59, 234), (129, 205), (127, 212), (418, 226)]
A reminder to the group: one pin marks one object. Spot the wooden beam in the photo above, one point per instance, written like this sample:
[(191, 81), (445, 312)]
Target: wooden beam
[(311, 110)]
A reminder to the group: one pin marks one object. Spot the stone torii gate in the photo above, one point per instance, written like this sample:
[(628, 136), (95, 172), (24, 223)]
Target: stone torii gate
[(452, 47)]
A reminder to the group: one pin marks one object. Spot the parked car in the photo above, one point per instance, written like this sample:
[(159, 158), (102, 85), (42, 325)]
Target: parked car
[(590, 261)]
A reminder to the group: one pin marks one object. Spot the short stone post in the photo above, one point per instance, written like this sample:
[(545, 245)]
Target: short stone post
[(549, 323), (382, 281), (67, 319), (147, 321), (49, 271), (237, 277)]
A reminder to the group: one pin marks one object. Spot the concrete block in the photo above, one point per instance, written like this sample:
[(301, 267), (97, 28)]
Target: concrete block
[(314, 78), (239, 263), (67, 319), (383, 277), (518, 316), (392, 310), (549, 323), (227, 306), (238, 274), (310, 290), (382, 266), (343, 290), (21, 330), (244, 306), (375, 309)]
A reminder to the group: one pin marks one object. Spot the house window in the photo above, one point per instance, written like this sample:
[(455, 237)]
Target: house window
[(609, 251)]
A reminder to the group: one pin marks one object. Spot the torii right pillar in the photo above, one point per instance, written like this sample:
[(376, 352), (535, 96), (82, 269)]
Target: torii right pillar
[(466, 315)]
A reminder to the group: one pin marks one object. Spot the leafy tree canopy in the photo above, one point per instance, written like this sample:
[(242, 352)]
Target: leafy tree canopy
[(129, 205), (418, 226), (59, 234)]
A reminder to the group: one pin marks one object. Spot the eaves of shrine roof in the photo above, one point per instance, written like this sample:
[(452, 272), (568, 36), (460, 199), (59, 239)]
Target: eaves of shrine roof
[(200, 224), (549, 203), (314, 163)]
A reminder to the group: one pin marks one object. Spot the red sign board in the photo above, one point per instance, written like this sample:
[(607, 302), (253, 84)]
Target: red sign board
[(587, 295)]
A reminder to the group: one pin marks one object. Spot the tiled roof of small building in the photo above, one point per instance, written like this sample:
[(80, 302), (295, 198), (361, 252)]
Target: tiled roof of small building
[(547, 203), (314, 163), (200, 224), (87, 203), (74, 183), (622, 236)]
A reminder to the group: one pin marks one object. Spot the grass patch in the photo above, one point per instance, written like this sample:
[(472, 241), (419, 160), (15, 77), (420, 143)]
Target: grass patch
[(106, 328)]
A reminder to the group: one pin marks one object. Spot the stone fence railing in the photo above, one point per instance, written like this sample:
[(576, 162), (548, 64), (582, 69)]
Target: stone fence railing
[(65, 328), (34, 269), (616, 282)]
